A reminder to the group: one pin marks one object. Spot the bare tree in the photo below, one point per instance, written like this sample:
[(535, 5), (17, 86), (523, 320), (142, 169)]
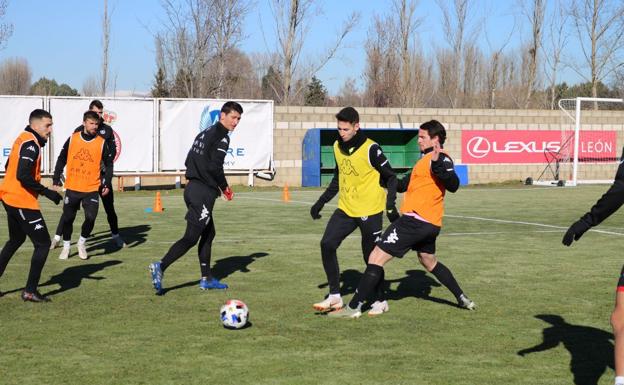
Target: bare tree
[(534, 12), (473, 75), (15, 77), (195, 43), (185, 42), (499, 72), (557, 39), (6, 29), (406, 24), (90, 86), (456, 32), (349, 95), (382, 70), (291, 19), (105, 48), (227, 35), (599, 26)]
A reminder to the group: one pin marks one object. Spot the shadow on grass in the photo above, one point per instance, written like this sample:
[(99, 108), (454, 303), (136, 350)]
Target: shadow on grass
[(591, 348), (72, 277), (416, 283), (223, 268), (101, 242)]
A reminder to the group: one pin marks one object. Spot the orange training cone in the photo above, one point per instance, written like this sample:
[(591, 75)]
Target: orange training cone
[(285, 193), (158, 204)]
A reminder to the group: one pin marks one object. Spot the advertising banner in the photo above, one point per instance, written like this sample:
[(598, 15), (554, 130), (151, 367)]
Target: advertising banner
[(251, 143), (528, 146), (131, 119), (15, 112)]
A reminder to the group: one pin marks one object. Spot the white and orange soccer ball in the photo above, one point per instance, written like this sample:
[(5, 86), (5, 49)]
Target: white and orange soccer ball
[(234, 314)]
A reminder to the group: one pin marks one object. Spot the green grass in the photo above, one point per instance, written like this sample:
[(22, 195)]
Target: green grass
[(105, 325)]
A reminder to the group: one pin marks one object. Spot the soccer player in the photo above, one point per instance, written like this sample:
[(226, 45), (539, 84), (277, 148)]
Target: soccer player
[(108, 200), (608, 203), (83, 153), (360, 165), (206, 181), (420, 224), (19, 192)]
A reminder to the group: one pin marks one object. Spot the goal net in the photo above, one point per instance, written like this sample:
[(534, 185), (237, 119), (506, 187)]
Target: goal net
[(588, 148)]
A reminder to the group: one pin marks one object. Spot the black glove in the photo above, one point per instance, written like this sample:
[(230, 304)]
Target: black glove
[(315, 210), (53, 196), (392, 213), (575, 232)]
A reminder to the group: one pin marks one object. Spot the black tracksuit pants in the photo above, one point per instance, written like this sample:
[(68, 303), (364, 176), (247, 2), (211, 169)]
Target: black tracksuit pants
[(339, 226), (26, 223)]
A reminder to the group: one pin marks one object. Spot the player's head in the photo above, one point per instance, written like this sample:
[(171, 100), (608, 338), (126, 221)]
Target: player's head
[(230, 115), (348, 123), (430, 133), (96, 106), (41, 122), (90, 121)]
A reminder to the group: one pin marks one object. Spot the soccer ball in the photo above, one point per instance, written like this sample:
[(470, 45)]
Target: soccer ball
[(234, 314)]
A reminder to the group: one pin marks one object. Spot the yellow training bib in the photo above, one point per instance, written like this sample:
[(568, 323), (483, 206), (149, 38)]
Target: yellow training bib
[(360, 194)]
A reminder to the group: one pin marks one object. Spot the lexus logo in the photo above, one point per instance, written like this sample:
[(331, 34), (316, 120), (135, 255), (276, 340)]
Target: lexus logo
[(478, 147)]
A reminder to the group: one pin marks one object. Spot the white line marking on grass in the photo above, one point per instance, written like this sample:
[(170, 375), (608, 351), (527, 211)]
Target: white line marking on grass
[(526, 223), (465, 217)]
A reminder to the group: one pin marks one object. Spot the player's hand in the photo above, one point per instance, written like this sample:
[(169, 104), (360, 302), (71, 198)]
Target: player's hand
[(53, 195), (227, 194), (105, 191), (575, 232), (436, 152), (56, 187), (315, 210), (392, 213)]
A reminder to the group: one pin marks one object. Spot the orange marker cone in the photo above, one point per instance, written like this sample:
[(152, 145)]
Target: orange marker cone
[(158, 204), (285, 193)]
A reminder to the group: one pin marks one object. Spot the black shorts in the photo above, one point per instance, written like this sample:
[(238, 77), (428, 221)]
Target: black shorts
[(408, 233), (30, 222), (199, 200), (90, 201)]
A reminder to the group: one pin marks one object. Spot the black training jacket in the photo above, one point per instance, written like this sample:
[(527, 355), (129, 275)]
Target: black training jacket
[(204, 162)]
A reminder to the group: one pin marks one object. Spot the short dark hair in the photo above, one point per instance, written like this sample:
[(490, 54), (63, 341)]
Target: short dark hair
[(348, 114), (92, 115), (38, 114), (96, 103), (229, 106), (435, 128)]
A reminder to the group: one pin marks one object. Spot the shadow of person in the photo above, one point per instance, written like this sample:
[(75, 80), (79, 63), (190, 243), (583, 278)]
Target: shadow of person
[(349, 280), (72, 277), (591, 348), (102, 241), (416, 283), (222, 269)]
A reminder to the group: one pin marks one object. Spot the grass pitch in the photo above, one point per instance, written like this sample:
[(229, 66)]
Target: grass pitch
[(105, 325)]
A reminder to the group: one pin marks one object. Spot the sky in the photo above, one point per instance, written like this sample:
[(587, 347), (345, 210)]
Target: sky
[(61, 39)]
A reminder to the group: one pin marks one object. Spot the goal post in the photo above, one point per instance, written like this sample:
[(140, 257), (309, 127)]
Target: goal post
[(586, 150)]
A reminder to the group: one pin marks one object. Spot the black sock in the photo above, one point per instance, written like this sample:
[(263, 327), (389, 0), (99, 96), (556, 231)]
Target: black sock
[(379, 290), (368, 283), (444, 275)]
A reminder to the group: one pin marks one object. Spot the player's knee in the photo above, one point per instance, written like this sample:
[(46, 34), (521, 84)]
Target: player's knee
[(377, 257), (427, 260), (43, 243), (329, 244), (90, 216), (15, 242), (617, 322), (191, 236)]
